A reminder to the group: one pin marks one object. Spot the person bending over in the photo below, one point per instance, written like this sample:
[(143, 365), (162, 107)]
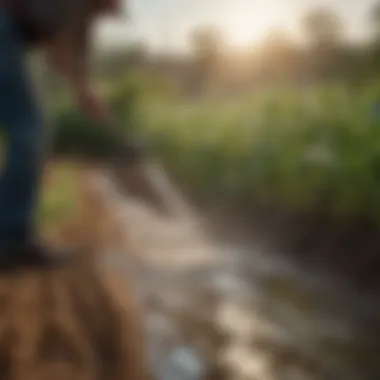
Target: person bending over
[(61, 29)]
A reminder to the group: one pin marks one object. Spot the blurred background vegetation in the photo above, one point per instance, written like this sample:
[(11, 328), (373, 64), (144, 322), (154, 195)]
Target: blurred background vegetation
[(282, 122)]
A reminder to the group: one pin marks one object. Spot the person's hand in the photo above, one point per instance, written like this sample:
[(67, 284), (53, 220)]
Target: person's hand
[(94, 106), (97, 109), (127, 149)]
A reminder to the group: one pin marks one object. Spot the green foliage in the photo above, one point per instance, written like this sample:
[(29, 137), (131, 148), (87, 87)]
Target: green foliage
[(302, 149), (77, 136), (60, 198)]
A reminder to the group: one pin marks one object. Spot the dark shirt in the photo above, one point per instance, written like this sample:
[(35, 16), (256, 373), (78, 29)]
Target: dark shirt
[(42, 20)]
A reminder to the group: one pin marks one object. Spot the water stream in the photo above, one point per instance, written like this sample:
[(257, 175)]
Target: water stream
[(219, 311)]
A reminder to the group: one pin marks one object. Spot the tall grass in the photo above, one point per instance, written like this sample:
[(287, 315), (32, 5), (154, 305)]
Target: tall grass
[(302, 149), (59, 203)]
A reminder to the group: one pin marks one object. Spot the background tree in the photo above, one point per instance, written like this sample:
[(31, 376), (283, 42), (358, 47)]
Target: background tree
[(280, 58), (324, 32), (374, 56), (207, 48)]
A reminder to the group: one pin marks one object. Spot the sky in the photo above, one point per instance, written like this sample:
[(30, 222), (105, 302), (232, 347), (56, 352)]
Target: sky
[(165, 24)]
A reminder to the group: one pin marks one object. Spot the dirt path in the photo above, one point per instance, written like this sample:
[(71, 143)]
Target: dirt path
[(215, 311)]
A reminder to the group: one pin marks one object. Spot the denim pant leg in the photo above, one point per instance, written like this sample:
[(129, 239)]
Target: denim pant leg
[(22, 124)]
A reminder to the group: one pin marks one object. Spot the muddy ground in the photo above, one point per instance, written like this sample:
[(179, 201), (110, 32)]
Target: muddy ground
[(228, 309)]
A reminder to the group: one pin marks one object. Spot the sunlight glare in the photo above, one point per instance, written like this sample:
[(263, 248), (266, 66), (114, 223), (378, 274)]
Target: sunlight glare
[(243, 29)]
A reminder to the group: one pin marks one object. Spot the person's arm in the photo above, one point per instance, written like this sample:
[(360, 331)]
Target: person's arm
[(69, 55)]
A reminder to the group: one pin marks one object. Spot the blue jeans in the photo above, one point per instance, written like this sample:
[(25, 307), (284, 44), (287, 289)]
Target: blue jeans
[(22, 124)]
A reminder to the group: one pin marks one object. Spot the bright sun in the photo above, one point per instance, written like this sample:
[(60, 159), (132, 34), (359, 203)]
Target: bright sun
[(241, 35), (244, 34), (243, 29)]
